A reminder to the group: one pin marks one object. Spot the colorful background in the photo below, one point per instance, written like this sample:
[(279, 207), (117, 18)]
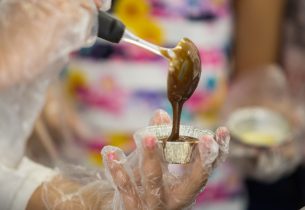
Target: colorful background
[(115, 89)]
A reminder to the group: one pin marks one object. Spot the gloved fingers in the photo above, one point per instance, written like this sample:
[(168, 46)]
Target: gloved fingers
[(133, 162), (152, 174), (90, 6), (222, 137), (202, 166), (98, 3), (193, 182), (103, 4), (208, 153), (106, 5), (46, 32), (68, 6), (160, 117), (119, 174)]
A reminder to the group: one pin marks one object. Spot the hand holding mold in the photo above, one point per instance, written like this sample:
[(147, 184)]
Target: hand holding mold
[(146, 181), (143, 180)]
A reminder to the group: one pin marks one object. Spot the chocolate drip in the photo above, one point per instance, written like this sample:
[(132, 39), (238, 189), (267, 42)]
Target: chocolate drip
[(183, 77)]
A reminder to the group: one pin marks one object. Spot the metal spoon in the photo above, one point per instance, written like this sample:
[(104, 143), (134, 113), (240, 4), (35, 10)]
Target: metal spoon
[(135, 40)]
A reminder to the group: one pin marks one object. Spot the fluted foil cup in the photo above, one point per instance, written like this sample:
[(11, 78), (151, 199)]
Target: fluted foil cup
[(174, 152)]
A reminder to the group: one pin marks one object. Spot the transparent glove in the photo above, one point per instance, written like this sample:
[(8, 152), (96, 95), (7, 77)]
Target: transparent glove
[(35, 34), (78, 188), (276, 161), (266, 165), (36, 38), (140, 181), (144, 180)]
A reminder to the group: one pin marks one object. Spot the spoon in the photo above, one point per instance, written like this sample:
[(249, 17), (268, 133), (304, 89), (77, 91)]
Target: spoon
[(113, 30), (135, 40), (184, 64), (183, 77)]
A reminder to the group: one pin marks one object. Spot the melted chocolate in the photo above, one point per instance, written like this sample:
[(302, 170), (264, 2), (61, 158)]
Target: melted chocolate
[(189, 139), (183, 77)]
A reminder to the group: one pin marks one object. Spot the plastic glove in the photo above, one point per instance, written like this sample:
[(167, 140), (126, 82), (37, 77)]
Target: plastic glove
[(35, 34), (144, 181), (79, 188), (266, 165), (36, 38), (103, 4), (140, 181)]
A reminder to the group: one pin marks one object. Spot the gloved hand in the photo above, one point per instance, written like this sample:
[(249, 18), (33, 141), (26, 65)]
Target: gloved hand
[(266, 165), (140, 181), (144, 181), (35, 34), (36, 39)]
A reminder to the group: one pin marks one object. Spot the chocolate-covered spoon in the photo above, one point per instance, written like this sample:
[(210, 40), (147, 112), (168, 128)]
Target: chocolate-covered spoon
[(183, 77), (184, 69)]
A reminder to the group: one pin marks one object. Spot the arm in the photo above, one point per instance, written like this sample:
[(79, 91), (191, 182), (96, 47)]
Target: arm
[(86, 197), (36, 37), (257, 33), (35, 34)]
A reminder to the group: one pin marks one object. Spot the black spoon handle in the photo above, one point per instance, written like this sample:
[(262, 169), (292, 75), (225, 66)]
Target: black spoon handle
[(110, 28)]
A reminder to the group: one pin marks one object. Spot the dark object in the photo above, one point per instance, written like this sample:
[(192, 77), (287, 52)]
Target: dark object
[(97, 51), (110, 28), (285, 194)]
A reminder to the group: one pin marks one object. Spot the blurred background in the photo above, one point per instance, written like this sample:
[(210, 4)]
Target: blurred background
[(253, 82)]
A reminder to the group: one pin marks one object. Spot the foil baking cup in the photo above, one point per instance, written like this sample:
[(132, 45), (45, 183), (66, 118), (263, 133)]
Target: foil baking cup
[(174, 152)]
